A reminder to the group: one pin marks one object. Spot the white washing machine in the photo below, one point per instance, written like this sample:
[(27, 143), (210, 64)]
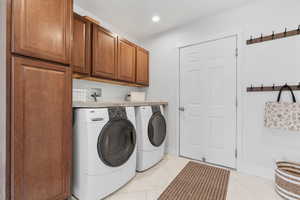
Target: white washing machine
[(104, 151), (151, 136)]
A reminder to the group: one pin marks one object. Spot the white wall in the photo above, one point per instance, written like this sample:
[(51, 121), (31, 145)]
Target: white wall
[(270, 62), (109, 91), (2, 98)]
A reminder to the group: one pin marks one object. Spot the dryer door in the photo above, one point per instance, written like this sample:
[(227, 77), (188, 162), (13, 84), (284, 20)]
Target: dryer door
[(116, 142), (157, 129)]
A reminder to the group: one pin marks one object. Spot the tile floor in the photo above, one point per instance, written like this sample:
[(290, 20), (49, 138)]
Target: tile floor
[(150, 184)]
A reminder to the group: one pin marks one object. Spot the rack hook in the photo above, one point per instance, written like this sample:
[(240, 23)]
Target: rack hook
[(299, 85), (273, 87), (298, 29), (273, 35), (285, 31), (262, 87), (261, 37), (251, 87)]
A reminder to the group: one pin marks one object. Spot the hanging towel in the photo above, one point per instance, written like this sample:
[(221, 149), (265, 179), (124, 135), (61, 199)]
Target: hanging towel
[(283, 115)]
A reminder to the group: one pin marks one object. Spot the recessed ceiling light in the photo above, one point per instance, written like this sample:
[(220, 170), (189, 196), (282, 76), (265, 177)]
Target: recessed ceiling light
[(155, 18)]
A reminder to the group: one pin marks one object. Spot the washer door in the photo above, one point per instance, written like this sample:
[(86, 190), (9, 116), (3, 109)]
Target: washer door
[(116, 142), (157, 129)]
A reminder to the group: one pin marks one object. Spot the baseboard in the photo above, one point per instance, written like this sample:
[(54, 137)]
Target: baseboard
[(267, 173)]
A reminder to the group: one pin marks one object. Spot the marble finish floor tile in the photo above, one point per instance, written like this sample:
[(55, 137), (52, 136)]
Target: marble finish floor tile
[(150, 184)]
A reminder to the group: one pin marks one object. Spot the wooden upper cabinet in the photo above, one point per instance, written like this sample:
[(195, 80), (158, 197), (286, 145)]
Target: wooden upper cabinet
[(142, 66), (104, 64), (126, 61), (41, 130), (42, 29), (81, 47)]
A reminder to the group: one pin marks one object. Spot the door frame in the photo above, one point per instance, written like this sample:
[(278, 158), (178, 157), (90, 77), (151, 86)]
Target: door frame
[(238, 93)]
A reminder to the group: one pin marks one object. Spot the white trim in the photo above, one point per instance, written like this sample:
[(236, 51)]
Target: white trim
[(210, 38), (238, 95), (255, 170), (239, 113), (178, 105), (207, 41)]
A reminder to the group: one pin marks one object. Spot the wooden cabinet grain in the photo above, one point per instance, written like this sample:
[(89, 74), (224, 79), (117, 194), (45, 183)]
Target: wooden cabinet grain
[(112, 58), (104, 64), (42, 29), (142, 66), (41, 130), (126, 61), (81, 47)]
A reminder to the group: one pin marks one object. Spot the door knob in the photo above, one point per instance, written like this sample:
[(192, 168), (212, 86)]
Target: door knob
[(181, 109)]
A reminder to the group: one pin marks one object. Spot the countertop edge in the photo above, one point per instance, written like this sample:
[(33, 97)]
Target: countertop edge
[(117, 104)]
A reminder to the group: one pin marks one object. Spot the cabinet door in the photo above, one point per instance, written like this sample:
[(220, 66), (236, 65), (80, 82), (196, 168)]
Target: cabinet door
[(126, 61), (41, 130), (42, 29), (104, 53), (142, 66), (81, 47)]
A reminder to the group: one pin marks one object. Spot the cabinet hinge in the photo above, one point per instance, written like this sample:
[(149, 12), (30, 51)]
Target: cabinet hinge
[(236, 153), (236, 102), (236, 52)]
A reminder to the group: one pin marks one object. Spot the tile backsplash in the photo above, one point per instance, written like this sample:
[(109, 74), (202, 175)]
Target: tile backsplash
[(109, 92)]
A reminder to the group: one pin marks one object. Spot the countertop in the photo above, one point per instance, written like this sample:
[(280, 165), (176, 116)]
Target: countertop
[(106, 104)]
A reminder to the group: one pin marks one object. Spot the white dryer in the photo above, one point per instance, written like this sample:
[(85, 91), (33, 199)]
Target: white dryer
[(104, 151), (151, 136)]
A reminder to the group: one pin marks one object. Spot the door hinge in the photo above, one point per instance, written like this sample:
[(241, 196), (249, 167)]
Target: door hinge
[(236, 153), (236, 52), (236, 102)]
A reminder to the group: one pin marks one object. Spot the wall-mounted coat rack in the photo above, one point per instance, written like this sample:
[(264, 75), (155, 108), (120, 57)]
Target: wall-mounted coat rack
[(274, 36), (273, 88)]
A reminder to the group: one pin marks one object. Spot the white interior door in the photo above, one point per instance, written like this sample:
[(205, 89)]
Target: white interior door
[(208, 101)]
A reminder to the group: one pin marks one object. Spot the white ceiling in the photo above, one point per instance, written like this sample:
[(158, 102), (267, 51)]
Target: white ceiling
[(133, 17)]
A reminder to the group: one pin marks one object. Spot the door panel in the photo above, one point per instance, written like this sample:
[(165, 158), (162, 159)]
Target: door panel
[(81, 47), (42, 29), (126, 61), (41, 132), (142, 66), (208, 93), (104, 53), (216, 133)]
